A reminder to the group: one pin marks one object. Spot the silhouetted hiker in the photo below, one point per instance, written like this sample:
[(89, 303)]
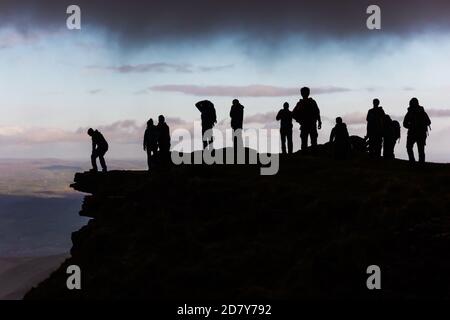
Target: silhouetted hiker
[(208, 116), (285, 118), (237, 119), (307, 113), (375, 119), (99, 148), (163, 140), (151, 142), (391, 133), (340, 139), (417, 122)]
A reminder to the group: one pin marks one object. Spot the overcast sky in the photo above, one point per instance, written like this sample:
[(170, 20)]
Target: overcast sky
[(138, 59)]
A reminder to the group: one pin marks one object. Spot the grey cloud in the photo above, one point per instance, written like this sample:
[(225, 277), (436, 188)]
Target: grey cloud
[(438, 113), (241, 91), (138, 23), (262, 118), (215, 68), (159, 67)]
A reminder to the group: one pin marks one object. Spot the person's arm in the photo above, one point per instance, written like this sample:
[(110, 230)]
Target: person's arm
[(295, 113), (93, 144), (318, 116), (406, 121), (332, 135), (427, 119), (278, 117), (145, 139)]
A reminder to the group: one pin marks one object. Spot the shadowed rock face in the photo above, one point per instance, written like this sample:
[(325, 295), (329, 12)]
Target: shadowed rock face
[(216, 232)]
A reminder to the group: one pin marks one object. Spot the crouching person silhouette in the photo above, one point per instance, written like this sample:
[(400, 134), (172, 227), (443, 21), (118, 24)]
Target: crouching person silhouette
[(340, 139), (99, 148)]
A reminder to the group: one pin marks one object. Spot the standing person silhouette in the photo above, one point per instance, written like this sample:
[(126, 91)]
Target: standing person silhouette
[(99, 149), (375, 119), (163, 133), (151, 142), (307, 113), (237, 119), (208, 116), (285, 118), (417, 122)]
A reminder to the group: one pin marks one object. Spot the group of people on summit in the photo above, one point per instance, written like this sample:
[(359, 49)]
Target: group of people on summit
[(382, 131)]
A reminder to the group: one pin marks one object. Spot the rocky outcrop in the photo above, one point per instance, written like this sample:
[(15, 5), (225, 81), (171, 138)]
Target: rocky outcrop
[(216, 232)]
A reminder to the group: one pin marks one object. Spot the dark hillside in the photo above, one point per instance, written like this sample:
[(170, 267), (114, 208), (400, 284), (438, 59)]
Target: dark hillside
[(215, 232)]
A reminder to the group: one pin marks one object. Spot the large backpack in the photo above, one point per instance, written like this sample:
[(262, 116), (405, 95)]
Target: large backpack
[(306, 110), (208, 113), (420, 120)]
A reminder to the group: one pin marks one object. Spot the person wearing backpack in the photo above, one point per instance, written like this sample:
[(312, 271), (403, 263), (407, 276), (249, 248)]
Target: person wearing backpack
[(375, 119), (99, 149), (307, 114), (209, 119), (391, 133), (417, 122)]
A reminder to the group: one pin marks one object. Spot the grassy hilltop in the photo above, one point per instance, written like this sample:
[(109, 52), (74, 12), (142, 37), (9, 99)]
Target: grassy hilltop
[(216, 232)]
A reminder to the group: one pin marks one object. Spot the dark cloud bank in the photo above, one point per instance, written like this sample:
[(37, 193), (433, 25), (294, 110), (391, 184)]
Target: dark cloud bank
[(135, 23)]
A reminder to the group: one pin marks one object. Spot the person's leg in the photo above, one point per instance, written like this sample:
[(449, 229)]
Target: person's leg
[(237, 139), (208, 137), (314, 135), (102, 161), (409, 148), (154, 155), (304, 138), (385, 148), (421, 148), (378, 146), (371, 144), (388, 152), (240, 141), (283, 141), (94, 156), (149, 158), (393, 149), (205, 143), (289, 141)]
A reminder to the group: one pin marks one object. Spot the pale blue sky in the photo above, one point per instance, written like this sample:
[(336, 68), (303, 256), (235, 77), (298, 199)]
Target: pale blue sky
[(63, 80)]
